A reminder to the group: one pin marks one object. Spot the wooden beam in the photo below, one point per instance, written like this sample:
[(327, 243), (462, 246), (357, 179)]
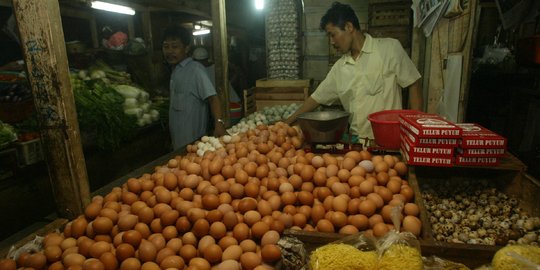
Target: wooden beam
[(221, 56), (131, 27), (467, 60), (147, 29), (42, 39)]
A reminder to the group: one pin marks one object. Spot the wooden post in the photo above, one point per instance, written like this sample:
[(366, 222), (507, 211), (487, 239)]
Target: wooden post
[(42, 41), (221, 55)]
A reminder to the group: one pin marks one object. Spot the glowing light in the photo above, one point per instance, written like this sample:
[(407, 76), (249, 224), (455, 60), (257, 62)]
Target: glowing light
[(259, 4), (112, 7), (201, 32)]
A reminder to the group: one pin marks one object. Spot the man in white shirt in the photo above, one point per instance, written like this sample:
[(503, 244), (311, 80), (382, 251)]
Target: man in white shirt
[(368, 77)]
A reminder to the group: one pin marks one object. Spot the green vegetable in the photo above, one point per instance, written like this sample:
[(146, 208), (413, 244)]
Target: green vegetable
[(128, 91), (7, 134), (100, 112)]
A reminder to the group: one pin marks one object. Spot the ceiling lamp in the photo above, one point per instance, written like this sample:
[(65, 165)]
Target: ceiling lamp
[(259, 4), (202, 31), (112, 7)]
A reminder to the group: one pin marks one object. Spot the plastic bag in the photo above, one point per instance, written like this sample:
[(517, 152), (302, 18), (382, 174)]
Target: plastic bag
[(31, 247), (523, 257), (399, 250), (436, 263)]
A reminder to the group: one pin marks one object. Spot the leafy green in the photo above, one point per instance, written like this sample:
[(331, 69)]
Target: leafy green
[(100, 112), (7, 133)]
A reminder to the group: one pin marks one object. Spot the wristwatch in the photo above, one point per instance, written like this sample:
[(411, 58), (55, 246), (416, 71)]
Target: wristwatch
[(221, 121)]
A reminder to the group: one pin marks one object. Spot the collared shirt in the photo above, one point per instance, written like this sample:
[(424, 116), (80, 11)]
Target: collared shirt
[(188, 111), (370, 83)]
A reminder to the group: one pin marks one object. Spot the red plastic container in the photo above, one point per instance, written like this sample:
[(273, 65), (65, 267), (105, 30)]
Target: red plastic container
[(385, 126)]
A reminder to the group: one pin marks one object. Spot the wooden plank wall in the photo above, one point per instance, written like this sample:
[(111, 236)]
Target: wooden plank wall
[(450, 36)]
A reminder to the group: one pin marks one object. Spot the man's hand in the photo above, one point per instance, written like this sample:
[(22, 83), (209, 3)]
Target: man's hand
[(219, 129)]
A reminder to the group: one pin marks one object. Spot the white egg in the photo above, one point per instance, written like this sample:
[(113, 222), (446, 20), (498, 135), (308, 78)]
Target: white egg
[(367, 165)]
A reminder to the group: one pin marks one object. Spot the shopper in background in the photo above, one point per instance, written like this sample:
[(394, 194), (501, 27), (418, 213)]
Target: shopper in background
[(200, 54), (368, 77), (191, 91)]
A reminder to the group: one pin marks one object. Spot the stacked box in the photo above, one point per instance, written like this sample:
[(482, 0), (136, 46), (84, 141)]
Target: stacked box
[(479, 146), (428, 139)]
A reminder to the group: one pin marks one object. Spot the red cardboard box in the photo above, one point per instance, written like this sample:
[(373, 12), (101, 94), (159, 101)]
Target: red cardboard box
[(433, 142), (416, 150), (477, 161), (481, 152), (476, 136), (429, 126), (426, 160)]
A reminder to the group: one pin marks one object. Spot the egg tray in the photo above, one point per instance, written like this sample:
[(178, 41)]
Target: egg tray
[(508, 177)]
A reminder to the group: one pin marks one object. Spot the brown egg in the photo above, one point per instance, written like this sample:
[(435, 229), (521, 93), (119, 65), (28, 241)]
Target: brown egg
[(270, 253), (201, 228), (109, 261), (412, 224), (325, 225), (147, 251), (127, 222), (230, 220), (93, 264), (380, 229), (339, 204), (218, 230), (366, 187), (199, 263), (150, 266), (401, 168), (53, 253), (250, 260), (408, 193), (132, 237), (226, 242), (212, 253), (367, 207), (36, 261), (259, 229), (124, 251), (385, 194), (73, 259), (394, 186), (232, 253), (175, 262), (411, 209), (241, 232), (348, 229), (338, 219), (52, 239), (251, 217), (98, 248), (361, 222), (188, 252), (8, 264), (158, 240)]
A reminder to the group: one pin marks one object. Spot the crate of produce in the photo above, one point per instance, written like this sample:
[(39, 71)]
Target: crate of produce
[(470, 213), (29, 152), (268, 93)]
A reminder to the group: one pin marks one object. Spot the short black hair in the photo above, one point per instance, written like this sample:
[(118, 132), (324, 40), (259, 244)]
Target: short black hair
[(178, 32), (338, 15)]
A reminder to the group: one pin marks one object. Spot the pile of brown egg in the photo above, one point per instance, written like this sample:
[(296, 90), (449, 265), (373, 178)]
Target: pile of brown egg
[(227, 209)]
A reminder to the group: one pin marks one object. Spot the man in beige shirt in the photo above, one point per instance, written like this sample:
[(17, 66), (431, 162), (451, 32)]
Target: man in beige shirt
[(368, 77)]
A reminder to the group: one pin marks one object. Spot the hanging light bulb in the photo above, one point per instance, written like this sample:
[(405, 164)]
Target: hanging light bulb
[(259, 4), (112, 7)]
